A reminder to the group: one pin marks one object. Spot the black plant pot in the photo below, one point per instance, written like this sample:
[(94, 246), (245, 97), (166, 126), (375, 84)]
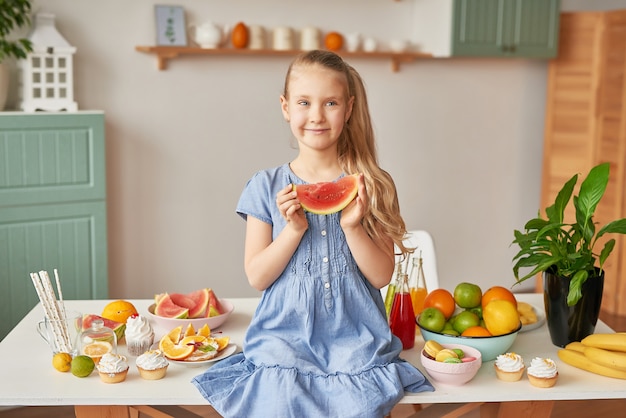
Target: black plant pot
[(571, 323)]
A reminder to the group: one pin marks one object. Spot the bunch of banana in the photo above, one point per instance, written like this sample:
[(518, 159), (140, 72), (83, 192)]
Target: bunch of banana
[(603, 354), (526, 312)]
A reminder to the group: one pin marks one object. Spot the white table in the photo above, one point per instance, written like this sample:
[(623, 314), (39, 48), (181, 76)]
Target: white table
[(30, 380)]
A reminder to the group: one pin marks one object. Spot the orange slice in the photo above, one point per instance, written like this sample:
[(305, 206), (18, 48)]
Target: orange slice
[(222, 342), (205, 331), (175, 334), (175, 351), (97, 349), (190, 330), (192, 339)]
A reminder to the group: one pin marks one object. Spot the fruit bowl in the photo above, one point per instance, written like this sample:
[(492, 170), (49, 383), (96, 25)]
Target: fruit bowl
[(489, 347), (212, 321), (456, 374)]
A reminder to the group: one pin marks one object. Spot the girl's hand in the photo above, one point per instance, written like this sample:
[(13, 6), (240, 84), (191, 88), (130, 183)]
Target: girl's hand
[(352, 214), (290, 208)]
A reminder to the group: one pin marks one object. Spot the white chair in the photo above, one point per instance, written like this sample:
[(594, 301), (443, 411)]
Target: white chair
[(424, 246)]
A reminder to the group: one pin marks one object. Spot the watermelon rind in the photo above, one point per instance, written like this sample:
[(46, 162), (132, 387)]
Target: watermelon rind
[(201, 301), (168, 309), (118, 327), (215, 307), (327, 198)]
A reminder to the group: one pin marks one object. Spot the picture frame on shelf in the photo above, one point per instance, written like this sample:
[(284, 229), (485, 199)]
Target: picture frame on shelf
[(171, 27)]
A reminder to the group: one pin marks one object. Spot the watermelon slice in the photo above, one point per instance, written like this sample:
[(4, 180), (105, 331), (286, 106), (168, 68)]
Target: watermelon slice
[(168, 309), (182, 300), (215, 307), (201, 301), (118, 327), (327, 197)]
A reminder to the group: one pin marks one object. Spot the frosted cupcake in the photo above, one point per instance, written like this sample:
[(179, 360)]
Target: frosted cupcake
[(509, 367), (112, 368), (152, 365), (542, 372), (139, 335)]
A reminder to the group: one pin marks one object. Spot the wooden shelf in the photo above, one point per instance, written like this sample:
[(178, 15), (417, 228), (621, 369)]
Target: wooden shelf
[(166, 53)]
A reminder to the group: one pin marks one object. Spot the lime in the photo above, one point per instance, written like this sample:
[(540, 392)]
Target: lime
[(62, 362), (82, 366)]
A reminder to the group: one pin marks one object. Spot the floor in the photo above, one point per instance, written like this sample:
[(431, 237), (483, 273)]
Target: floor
[(562, 409)]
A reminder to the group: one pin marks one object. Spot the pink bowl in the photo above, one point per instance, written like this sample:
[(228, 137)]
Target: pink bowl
[(213, 322), (455, 374)]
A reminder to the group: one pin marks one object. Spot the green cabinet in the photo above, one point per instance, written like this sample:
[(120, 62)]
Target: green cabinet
[(505, 28), (52, 207)]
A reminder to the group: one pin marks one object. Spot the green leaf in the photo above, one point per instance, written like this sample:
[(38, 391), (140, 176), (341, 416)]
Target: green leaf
[(575, 287), (555, 212), (591, 191), (606, 251)]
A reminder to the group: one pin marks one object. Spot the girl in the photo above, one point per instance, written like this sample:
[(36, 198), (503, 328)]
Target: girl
[(319, 343)]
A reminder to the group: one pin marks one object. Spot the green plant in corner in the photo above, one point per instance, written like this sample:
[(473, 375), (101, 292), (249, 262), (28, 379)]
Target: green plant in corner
[(567, 249), (14, 14)]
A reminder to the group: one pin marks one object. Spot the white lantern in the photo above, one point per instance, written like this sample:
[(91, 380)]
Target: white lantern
[(46, 74)]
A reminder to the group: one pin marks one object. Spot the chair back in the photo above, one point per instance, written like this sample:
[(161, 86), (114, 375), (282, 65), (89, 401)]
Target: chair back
[(424, 246)]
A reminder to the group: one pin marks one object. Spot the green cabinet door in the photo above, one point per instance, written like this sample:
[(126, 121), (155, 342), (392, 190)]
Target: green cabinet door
[(505, 28), (52, 207)]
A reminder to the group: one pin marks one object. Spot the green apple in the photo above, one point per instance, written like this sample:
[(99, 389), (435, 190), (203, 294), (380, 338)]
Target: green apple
[(464, 320), (468, 295), (432, 319)]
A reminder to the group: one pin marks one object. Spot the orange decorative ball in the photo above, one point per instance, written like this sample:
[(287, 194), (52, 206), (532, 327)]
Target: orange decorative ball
[(240, 36), (333, 41)]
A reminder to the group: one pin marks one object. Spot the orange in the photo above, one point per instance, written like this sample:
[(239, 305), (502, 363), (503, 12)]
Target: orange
[(442, 300), (205, 331), (175, 351), (174, 335), (498, 293), (501, 317), (96, 350), (476, 331), (190, 330), (333, 41), (222, 342), (192, 339), (119, 311)]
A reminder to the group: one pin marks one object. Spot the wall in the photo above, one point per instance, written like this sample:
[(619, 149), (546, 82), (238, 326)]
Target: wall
[(461, 137)]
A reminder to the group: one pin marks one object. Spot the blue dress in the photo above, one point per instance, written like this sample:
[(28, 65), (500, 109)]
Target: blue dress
[(319, 344)]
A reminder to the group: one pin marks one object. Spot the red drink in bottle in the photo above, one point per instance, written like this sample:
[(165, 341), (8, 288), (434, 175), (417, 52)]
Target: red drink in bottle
[(402, 318)]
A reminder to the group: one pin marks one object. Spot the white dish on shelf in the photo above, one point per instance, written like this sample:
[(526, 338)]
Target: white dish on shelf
[(226, 352), (541, 318)]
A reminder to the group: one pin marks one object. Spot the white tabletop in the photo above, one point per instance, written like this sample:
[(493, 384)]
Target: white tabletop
[(30, 379)]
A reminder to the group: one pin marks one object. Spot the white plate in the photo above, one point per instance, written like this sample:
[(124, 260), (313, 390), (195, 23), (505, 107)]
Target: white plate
[(227, 352), (541, 318)]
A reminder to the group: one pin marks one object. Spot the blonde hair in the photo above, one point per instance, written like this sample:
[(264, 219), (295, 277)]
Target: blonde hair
[(358, 154)]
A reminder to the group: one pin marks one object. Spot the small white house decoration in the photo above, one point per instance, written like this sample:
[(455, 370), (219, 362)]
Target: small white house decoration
[(47, 73)]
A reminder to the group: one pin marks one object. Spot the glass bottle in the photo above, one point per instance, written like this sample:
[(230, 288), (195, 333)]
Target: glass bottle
[(402, 318), (417, 285), (391, 288), (98, 340)]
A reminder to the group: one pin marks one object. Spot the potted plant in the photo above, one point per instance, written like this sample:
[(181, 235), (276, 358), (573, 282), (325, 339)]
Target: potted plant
[(566, 254), (14, 14)]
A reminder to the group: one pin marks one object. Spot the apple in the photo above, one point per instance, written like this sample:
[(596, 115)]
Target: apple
[(432, 319), (465, 320), (468, 295)]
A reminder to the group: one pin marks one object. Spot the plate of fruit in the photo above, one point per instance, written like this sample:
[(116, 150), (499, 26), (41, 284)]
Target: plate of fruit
[(532, 317), (195, 348), (198, 308)]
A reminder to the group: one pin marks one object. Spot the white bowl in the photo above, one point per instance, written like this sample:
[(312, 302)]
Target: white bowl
[(213, 321)]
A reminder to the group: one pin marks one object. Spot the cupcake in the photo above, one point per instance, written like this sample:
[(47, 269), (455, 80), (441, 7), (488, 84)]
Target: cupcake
[(152, 365), (139, 335), (542, 372), (509, 367), (112, 368)]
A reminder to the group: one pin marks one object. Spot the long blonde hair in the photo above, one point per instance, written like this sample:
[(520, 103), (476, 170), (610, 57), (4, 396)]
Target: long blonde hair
[(358, 154)]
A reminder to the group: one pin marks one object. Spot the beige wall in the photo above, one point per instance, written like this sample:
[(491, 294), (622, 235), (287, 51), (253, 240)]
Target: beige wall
[(462, 138)]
